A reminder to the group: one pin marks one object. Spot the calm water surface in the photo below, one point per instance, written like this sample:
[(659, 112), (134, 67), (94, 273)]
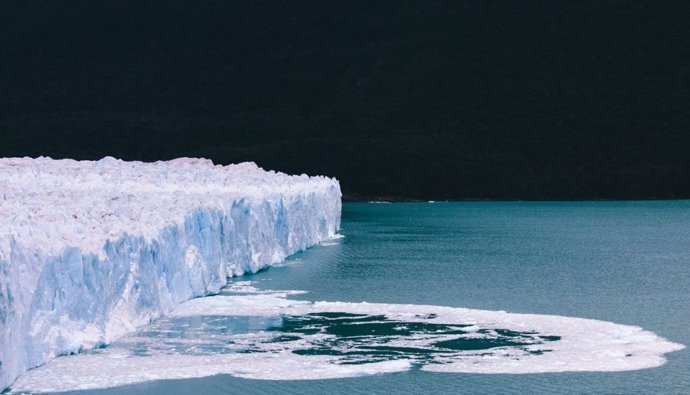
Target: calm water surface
[(626, 262)]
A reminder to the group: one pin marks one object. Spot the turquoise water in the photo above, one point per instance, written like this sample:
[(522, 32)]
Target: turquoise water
[(625, 262)]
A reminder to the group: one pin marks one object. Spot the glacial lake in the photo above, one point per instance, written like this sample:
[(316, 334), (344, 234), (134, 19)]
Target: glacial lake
[(621, 262)]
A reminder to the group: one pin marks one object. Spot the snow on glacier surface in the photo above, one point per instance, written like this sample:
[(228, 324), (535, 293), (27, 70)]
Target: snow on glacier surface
[(91, 250)]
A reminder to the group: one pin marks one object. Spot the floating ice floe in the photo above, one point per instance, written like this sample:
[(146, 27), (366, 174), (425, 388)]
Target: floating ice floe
[(262, 334)]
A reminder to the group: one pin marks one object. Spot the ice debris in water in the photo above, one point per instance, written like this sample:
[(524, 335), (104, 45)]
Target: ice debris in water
[(272, 335)]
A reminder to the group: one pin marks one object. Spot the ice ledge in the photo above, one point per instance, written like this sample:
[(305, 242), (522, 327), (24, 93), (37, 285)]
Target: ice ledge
[(91, 250)]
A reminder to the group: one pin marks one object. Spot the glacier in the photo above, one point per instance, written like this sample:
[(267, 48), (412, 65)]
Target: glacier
[(90, 250)]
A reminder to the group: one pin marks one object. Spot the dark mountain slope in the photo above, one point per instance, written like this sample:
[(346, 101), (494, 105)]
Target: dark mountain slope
[(423, 99)]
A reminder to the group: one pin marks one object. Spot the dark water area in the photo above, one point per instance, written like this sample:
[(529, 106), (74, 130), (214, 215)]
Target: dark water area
[(625, 262)]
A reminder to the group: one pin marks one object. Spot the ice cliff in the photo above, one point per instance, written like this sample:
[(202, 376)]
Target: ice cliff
[(90, 250)]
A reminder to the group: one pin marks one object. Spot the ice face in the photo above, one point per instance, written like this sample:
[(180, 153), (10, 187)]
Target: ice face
[(91, 250)]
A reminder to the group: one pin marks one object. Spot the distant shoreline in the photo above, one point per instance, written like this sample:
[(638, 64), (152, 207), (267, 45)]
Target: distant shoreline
[(354, 198)]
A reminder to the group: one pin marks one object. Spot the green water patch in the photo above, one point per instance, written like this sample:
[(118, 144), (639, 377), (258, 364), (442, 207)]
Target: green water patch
[(348, 337), (358, 325), (361, 338)]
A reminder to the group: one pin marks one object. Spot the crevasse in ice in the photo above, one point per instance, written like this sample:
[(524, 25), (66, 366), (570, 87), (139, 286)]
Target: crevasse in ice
[(90, 250)]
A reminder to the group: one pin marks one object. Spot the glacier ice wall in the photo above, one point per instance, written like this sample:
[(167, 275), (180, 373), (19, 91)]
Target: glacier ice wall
[(91, 250)]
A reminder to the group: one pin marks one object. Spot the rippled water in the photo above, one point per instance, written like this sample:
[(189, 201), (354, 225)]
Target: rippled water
[(625, 262)]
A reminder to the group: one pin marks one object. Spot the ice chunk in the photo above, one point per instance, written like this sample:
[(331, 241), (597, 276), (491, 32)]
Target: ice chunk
[(91, 250)]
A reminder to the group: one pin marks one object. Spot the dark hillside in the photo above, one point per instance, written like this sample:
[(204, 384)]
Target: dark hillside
[(407, 99)]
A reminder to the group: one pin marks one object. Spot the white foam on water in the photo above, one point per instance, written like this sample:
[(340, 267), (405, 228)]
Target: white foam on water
[(241, 287), (332, 241), (92, 371), (381, 338)]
